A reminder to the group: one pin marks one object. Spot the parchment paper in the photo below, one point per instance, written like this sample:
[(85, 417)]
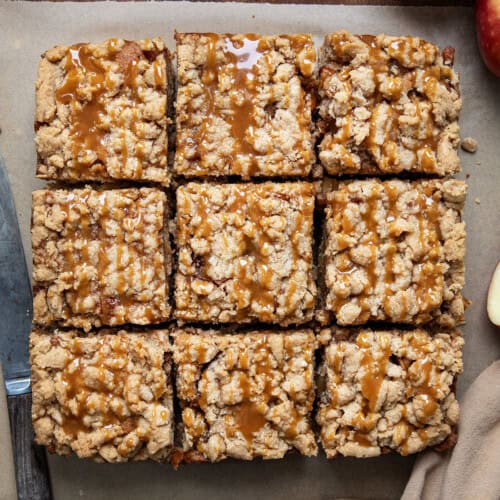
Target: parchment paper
[(28, 29)]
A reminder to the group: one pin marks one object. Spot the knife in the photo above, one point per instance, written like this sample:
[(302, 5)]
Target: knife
[(32, 474)]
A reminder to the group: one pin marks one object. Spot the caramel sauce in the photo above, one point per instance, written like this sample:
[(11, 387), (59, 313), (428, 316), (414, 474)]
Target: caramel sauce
[(201, 352), (243, 56), (361, 440), (159, 75), (85, 130), (373, 241), (243, 360), (84, 230), (74, 380), (81, 231), (431, 280), (389, 276), (202, 392), (248, 419), (248, 415), (374, 371), (291, 431), (425, 389), (424, 134), (303, 46), (337, 374), (231, 75), (344, 264), (89, 131), (425, 370)]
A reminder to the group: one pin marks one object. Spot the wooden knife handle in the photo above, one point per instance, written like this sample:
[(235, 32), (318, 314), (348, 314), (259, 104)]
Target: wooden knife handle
[(32, 472)]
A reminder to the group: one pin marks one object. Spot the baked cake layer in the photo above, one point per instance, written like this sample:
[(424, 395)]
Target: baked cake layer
[(387, 105), (244, 105), (245, 395), (106, 396), (389, 390), (101, 111), (394, 251), (100, 257), (245, 253)]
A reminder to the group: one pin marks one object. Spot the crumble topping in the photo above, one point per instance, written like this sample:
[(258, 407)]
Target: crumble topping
[(245, 395), (104, 396), (101, 111), (100, 257), (388, 390), (244, 105), (395, 251), (245, 253), (387, 105)]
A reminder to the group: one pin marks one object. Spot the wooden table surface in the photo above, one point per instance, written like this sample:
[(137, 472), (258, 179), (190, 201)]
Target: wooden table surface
[(404, 3), (407, 3)]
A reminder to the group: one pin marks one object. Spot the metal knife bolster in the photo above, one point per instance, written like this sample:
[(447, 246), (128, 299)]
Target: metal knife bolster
[(15, 296)]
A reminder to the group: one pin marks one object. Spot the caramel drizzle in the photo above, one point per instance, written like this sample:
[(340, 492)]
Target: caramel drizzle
[(257, 378), (89, 131), (428, 283), (376, 351), (254, 272), (247, 416), (427, 368), (431, 280), (386, 154), (244, 57), (371, 238), (85, 131), (392, 249), (87, 229), (78, 391)]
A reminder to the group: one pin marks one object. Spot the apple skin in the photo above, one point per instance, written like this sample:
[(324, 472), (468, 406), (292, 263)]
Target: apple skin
[(488, 32)]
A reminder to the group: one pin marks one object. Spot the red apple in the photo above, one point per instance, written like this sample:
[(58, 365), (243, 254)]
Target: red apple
[(488, 32)]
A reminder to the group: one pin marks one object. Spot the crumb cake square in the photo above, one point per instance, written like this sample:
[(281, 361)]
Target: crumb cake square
[(106, 396), (245, 253), (388, 391), (394, 251), (244, 105), (244, 395), (387, 105), (100, 257), (101, 111)]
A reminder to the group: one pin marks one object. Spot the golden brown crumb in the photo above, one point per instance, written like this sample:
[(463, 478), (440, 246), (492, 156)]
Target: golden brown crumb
[(469, 144)]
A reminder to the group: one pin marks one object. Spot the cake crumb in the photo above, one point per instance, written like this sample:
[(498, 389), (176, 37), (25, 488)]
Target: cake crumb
[(469, 144), (477, 201)]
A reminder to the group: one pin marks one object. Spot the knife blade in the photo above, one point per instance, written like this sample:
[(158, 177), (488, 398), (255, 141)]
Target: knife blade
[(32, 476), (16, 301)]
